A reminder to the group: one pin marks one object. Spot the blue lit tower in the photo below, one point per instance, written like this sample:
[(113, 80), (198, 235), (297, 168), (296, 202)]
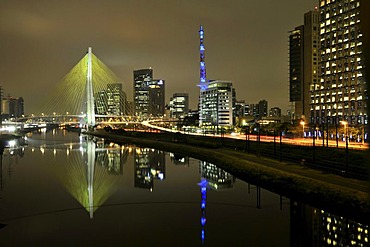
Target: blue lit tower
[(203, 80), (203, 85)]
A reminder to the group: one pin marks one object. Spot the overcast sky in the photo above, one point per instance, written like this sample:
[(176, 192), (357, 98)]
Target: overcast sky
[(246, 42)]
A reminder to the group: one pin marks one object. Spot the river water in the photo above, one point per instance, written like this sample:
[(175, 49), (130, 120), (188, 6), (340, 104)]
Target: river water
[(62, 189)]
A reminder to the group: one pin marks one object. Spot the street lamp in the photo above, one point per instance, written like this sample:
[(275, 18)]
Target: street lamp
[(345, 123), (302, 123)]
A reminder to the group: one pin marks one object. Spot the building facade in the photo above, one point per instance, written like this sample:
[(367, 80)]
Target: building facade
[(142, 79), (12, 107), (262, 109), (179, 105), (156, 98), (217, 104), (303, 64), (111, 101), (149, 94), (275, 112), (341, 93)]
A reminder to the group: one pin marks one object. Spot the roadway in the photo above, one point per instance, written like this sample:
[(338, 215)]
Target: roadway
[(264, 138)]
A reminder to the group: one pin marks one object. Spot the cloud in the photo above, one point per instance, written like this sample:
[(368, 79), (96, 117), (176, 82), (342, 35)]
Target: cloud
[(25, 24)]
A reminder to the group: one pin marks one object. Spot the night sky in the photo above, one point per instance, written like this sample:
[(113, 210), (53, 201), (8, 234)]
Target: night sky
[(246, 42)]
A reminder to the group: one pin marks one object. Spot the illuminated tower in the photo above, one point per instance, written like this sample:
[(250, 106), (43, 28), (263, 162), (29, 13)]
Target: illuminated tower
[(202, 80), (90, 112)]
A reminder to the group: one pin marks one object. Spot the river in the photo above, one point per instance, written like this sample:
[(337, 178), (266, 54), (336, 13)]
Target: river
[(62, 189)]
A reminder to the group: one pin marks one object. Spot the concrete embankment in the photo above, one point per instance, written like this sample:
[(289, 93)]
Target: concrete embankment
[(344, 196)]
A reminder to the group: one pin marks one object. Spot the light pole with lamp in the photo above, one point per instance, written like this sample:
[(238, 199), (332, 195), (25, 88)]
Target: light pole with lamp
[(345, 126), (302, 123)]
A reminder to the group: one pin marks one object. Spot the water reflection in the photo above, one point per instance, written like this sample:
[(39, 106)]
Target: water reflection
[(315, 227), (15, 150), (92, 171), (150, 164), (89, 170)]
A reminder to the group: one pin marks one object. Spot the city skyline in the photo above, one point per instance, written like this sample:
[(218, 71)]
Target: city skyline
[(43, 40)]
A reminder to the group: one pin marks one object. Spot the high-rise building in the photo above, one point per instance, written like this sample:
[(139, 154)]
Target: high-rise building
[(111, 101), (262, 108), (149, 94), (341, 93), (142, 79), (179, 105), (217, 104), (12, 107), (156, 98), (303, 64)]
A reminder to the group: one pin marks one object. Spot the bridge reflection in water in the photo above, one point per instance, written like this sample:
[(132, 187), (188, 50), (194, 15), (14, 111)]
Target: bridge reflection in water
[(86, 171)]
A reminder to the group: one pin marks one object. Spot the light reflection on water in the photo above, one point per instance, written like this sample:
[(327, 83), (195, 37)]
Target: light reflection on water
[(66, 189)]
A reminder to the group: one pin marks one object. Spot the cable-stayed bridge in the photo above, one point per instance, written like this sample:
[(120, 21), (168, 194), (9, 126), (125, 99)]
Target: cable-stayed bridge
[(89, 93)]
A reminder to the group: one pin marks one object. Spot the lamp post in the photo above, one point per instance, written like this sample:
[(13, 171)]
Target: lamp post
[(313, 144), (302, 123), (247, 139), (345, 126), (336, 131)]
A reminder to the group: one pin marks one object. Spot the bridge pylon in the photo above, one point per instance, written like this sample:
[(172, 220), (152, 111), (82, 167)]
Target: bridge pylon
[(90, 110)]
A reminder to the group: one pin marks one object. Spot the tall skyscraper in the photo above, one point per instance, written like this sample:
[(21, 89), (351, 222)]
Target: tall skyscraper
[(341, 93), (142, 79), (303, 64), (156, 98), (179, 105), (149, 94)]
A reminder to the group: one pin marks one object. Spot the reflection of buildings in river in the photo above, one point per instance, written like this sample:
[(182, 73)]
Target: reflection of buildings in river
[(112, 156), (14, 149), (179, 159), (315, 227), (217, 178), (213, 178), (149, 165)]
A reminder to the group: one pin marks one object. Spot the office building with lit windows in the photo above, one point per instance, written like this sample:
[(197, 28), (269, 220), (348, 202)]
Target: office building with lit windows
[(149, 94), (217, 104), (156, 98), (179, 105), (142, 78), (341, 93), (111, 101), (303, 64)]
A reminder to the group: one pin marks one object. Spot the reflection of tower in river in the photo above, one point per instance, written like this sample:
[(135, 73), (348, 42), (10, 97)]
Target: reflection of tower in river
[(315, 227), (150, 164), (85, 174), (213, 178)]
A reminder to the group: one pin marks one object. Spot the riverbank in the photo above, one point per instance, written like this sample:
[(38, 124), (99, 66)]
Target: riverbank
[(344, 196)]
